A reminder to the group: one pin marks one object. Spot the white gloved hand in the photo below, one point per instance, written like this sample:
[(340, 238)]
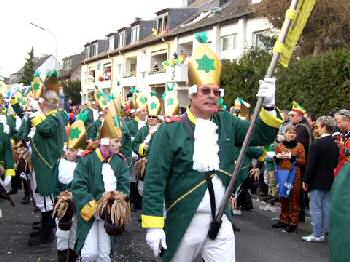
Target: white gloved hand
[(270, 154), (267, 90), (155, 238), (32, 132), (6, 181), (6, 129), (2, 119)]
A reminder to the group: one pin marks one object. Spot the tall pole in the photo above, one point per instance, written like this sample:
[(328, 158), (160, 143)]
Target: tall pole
[(52, 34)]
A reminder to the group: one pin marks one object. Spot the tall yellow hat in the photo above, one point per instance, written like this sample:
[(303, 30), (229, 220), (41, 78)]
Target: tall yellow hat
[(111, 126), (37, 86), (51, 82), (204, 65), (153, 104), (77, 135), (171, 102)]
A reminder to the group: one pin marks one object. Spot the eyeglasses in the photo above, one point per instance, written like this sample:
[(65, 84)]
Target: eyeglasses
[(153, 117), (207, 91)]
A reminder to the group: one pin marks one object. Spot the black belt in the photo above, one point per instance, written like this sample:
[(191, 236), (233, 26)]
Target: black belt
[(209, 178)]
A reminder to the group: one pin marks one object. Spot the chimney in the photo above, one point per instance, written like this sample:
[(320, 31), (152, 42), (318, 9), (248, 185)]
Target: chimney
[(137, 19), (186, 3)]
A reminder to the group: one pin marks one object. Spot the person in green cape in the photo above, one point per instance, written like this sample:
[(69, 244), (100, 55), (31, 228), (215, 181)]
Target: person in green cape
[(191, 162), (101, 172), (47, 145)]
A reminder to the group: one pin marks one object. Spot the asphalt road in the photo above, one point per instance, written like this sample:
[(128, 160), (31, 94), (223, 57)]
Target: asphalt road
[(256, 242)]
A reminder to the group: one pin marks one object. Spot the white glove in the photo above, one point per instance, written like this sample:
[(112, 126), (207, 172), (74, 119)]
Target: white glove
[(6, 181), (155, 238), (6, 129), (270, 154), (32, 132), (2, 119), (267, 90)]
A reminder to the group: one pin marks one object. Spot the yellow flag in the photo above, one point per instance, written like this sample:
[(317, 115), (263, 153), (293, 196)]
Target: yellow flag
[(298, 18)]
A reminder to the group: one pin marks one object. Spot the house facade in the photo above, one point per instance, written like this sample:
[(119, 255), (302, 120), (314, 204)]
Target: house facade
[(133, 55)]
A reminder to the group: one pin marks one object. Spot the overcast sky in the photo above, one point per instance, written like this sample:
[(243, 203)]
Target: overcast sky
[(74, 22)]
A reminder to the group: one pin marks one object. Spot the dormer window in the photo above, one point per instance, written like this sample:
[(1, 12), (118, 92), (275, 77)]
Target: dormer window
[(93, 51), (111, 42), (135, 31), (122, 39), (87, 51), (162, 23)]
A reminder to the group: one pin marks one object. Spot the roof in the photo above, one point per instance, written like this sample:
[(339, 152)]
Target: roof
[(215, 15), (38, 61)]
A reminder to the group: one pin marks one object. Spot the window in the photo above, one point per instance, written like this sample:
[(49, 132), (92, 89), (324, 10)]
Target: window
[(107, 72), (111, 42), (87, 52), (162, 24), (121, 39), (258, 38), (91, 76), (133, 69), (229, 42), (135, 34)]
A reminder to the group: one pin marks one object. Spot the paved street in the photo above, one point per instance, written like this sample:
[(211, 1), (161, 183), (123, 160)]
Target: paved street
[(256, 242)]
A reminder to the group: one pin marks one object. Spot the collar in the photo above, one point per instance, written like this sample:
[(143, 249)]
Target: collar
[(324, 135), (191, 116), (52, 112), (137, 119), (99, 155)]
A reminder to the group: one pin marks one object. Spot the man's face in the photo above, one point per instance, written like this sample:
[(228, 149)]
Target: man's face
[(342, 122), (295, 117), (310, 122), (152, 120), (142, 114), (71, 154), (206, 99), (114, 145)]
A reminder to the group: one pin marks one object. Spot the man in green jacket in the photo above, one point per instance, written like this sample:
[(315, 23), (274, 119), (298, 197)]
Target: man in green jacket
[(190, 165), (47, 147)]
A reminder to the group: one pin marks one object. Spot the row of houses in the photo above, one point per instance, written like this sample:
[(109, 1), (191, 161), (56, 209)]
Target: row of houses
[(132, 56)]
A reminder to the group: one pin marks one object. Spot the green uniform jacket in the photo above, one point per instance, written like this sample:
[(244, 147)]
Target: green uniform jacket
[(63, 114), (47, 147), (339, 231), (132, 126), (18, 110), (88, 185), (126, 148), (93, 129), (170, 175), (137, 143), (6, 155)]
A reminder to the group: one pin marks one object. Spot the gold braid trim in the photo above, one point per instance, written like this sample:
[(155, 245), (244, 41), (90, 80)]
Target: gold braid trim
[(41, 157), (196, 187)]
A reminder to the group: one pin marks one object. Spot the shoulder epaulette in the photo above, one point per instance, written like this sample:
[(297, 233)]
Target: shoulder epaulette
[(172, 119)]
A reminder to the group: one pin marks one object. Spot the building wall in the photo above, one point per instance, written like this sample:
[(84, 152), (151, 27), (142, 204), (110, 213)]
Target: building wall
[(244, 30)]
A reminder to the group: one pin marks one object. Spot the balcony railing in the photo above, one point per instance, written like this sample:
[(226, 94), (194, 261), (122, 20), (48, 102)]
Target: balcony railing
[(157, 70)]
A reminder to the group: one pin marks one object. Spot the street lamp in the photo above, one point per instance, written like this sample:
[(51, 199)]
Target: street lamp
[(48, 31)]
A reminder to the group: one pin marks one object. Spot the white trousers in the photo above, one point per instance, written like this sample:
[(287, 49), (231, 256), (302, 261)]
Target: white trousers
[(44, 203), (66, 238), (196, 241), (97, 246)]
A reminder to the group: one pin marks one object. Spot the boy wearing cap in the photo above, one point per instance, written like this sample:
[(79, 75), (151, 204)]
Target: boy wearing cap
[(101, 171)]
